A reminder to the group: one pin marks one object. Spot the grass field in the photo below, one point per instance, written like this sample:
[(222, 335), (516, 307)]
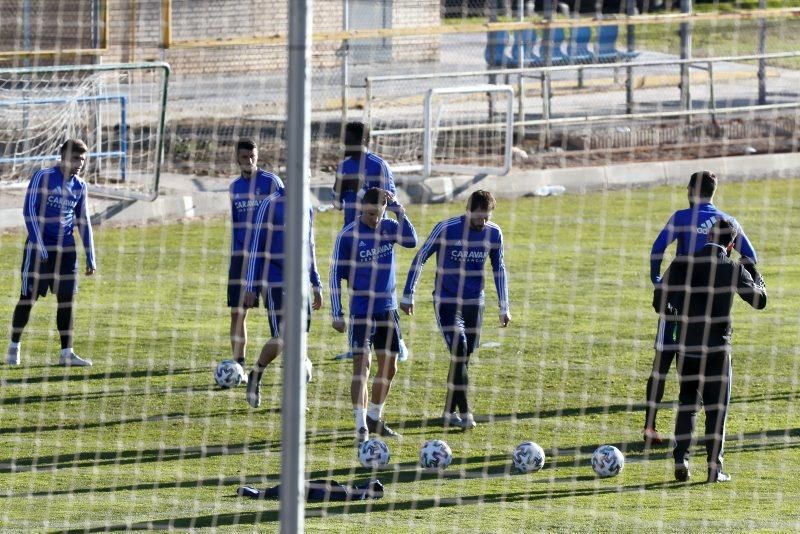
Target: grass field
[(143, 440)]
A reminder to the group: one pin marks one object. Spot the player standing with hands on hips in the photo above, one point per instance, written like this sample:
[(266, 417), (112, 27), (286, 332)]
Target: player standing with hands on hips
[(461, 245), (689, 227), (698, 291), (363, 255), (55, 203)]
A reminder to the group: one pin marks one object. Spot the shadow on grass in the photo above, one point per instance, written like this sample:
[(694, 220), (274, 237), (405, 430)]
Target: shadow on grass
[(76, 375)]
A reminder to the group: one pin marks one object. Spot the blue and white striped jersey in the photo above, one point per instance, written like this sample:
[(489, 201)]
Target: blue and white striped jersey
[(359, 175), (690, 228), (365, 258), (461, 254), (54, 205), (267, 245), (247, 194)]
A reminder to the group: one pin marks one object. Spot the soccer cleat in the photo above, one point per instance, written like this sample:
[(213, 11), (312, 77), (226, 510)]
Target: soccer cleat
[(362, 435), (12, 356), (652, 437), (73, 360), (467, 422), (344, 356), (247, 491), (682, 473), (716, 475), (253, 391), (451, 419), (403, 354), (381, 428)]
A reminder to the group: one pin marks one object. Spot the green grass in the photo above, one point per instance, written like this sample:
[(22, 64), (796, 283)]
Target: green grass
[(143, 436)]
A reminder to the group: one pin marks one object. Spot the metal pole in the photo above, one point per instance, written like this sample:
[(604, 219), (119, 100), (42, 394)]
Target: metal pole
[(546, 52), (521, 86), (686, 53), (762, 49), (630, 10), (345, 66), (298, 140)]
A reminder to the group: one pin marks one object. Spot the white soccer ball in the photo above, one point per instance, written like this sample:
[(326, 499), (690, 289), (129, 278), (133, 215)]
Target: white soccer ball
[(435, 454), (373, 453), (528, 457), (607, 461), (228, 374)]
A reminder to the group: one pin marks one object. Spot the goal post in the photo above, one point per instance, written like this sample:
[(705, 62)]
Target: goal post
[(118, 109)]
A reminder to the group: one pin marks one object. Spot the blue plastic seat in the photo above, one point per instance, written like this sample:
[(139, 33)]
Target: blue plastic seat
[(607, 46), (527, 38), (578, 46), (558, 55), (495, 53)]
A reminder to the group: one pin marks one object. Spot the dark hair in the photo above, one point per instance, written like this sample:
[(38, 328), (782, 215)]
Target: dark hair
[(245, 143), (723, 232), (356, 137), (374, 196), (481, 200), (703, 184), (74, 146)]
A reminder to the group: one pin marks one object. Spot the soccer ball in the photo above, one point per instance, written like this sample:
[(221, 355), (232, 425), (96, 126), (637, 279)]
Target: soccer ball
[(528, 457), (607, 461), (373, 453), (435, 454), (228, 374)]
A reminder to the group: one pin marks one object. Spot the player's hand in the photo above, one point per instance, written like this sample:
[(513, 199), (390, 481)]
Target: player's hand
[(408, 309), (89, 271), (250, 299), (338, 324), (317, 304), (505, 318)]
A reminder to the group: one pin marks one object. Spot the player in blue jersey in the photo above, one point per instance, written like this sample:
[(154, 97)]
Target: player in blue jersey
[(689, 227), (55, 203), (462, 244), (247, 192), (360, 171), (265, 274), (363, 255)]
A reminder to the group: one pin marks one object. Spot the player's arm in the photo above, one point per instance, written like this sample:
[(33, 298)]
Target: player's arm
[(313, 273), (752, 291), (406, 235), (85, 227), (430, 246), (665, 237), (33, 214), (496, 257), (744, 247), (338, 271), (256, 252)]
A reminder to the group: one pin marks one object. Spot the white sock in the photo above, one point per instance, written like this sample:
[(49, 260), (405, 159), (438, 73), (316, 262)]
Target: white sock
[(65, 353), (13, 346), (375, 411), (361, 418)]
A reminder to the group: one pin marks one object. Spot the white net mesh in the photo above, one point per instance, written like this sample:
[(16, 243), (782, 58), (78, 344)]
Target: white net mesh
[(145, 439)]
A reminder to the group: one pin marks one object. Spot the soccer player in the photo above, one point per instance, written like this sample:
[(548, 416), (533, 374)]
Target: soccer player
[(698, 291), (247, 192), (689, 227), (265, 273), (55, 203), (360, 171), (461, 245), (363, 255)]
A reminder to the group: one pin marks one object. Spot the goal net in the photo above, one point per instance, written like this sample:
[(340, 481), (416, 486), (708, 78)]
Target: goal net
[(118, 110), (543, 428)]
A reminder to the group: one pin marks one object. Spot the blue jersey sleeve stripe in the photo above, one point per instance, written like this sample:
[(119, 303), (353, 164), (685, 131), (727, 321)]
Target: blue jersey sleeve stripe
[(254, 258), (33, 206), (334, 280), (426, 251), (85, 222)]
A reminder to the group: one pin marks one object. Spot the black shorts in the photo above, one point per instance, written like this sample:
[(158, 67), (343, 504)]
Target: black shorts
[(237, 278), (460, 323), (273, 302), (380, 331), (57, 274)]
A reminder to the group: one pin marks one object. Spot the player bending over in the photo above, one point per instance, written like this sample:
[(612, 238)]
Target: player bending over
[(461, 245), (363, 255)]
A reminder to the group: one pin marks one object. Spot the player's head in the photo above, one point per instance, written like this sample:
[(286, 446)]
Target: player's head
[(73, 156), (723, 233), (356, 138), (702, 186), (373, 206), (247, 155), (480, 206)]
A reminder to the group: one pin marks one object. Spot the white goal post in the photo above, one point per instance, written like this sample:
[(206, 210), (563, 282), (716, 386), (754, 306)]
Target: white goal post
[(118, 109)]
